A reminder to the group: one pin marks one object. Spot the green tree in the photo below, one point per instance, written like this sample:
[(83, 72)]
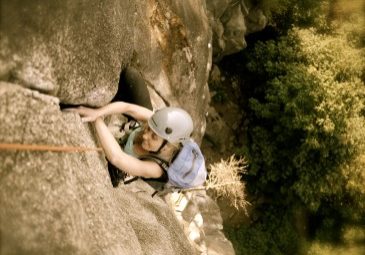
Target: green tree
[(306, 133)]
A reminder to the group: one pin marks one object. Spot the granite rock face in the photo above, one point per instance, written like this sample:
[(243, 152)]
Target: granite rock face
[(76, 50), (73, 50), (64, 203), (173, 52)]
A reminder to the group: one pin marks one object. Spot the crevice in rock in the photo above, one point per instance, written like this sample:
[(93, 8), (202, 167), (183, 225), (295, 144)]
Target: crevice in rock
[(65, 106), (167, 103), (132, 88)]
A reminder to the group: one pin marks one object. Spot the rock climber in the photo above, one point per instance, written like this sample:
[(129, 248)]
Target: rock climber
[(160, 135)]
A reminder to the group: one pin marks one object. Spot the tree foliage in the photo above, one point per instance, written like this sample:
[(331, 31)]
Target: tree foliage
[(306, 133), (307, 125)]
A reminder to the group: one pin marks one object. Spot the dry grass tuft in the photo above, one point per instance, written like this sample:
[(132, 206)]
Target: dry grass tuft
[(225, 181)]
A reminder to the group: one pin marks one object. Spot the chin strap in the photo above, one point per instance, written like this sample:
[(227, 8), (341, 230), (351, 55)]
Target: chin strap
[(160, 148)]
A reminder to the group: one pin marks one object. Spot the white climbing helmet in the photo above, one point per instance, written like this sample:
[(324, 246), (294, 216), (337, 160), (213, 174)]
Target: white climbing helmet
[(172, 124)]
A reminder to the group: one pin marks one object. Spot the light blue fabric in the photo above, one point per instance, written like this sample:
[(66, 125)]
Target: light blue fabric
[(128, 147), (188, 168)]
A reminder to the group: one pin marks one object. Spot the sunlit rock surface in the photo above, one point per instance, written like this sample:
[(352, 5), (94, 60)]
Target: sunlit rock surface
[(76, 50), (173, 52), (70, 49), (64, 203)]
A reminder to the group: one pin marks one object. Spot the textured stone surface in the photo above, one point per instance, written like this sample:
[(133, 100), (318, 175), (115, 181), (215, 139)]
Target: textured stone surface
[(74, 50), (173, 52), (231, 20), (200, 217), (64, 203)]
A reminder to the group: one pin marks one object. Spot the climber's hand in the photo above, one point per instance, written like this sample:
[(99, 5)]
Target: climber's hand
[(87, 114)]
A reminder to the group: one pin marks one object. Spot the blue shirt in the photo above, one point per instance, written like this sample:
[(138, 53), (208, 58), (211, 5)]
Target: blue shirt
[(128, 147)]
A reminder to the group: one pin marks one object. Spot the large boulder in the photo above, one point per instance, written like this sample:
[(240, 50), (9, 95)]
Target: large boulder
[(74, 50)]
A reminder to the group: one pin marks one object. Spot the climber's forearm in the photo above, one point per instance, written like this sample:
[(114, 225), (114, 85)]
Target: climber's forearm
[(106, 139), (135, 111)]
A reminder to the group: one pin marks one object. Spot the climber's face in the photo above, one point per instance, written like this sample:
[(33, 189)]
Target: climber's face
[(151, 141)]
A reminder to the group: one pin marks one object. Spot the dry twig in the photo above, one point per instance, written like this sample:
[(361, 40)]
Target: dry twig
[(225, 180)]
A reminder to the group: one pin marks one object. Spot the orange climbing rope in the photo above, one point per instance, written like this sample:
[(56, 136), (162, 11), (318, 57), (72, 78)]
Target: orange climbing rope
[(44, 147)]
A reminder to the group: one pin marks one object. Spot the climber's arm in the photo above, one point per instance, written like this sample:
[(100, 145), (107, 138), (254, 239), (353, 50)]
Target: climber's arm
[(133, 110), (120, 159)]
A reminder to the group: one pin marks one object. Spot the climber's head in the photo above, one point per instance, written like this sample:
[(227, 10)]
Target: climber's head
[(172, 124), (167, 125)]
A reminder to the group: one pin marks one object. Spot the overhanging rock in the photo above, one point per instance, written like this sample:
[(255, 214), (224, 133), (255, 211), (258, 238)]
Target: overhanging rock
[(70, 49)]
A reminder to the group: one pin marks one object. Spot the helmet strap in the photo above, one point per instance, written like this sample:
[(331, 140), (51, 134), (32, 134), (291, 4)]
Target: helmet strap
[(160, 148)]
